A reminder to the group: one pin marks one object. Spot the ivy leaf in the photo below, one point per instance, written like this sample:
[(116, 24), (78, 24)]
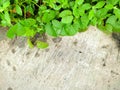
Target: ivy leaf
[(79, 2), (16, 1), (36, 1), (20, 29), (7, 17), (17, 29), (67, 19), (57, 26), (86, 6), (117, 12), (70, 29), (109, 6), (65, 13), (48, 16), (42, 9), (109, 28), (18, 10), (11, 33), (111, 20), (28, 22), (71, 4), (41, 44), (49, 30), (6, 4), (29, 32), (30, 43), (29, 9), (76, 24), (75, 12), (101, 13), (81, 11), (113, 2), (6, 21), (100, 4), (63, 32), (1, 9), (85, 21), (57, 7), (91, 14)]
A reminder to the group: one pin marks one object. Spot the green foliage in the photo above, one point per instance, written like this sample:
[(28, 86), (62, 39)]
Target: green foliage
[(41, 44), (27, 18)]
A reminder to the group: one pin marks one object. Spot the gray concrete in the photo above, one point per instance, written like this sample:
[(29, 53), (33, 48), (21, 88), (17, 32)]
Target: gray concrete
[(86, 61)]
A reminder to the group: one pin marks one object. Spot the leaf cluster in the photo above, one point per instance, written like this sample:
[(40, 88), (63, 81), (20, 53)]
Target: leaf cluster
[(28, 18)]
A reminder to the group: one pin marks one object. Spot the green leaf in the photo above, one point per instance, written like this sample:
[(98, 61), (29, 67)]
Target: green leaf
[(1, 9), (94, 21), (100, 4), (30, 43), (6, 20), (28, 22), (42, 8), (63, 32), (76, 24), (11, 33), (7, 17), (101, 13), (65, 4), (41, 44), (117, 12), (86, 6), (29, 9), (49, 30), (65, 13), (57, 7), (48, 16), (81, 11), (67, 19), (72, 4), (79, 2), (71, 30), (57, 26), (109, 27), (113, 2), (29, 32), (91, 14), (6, 4), (111, 20), (20, 29), (85, 21), (75, 12), (16, 1), (18, 10), (36, 1), (109, 6)]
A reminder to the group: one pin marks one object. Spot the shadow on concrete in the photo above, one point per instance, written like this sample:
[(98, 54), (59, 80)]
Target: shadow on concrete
[(3, 31)]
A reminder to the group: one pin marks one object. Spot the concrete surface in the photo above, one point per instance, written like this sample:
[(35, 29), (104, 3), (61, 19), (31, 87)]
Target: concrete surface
[(86, 61)]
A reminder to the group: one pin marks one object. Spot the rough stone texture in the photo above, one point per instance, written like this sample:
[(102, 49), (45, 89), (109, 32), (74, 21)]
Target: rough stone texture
[(86, 61)]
